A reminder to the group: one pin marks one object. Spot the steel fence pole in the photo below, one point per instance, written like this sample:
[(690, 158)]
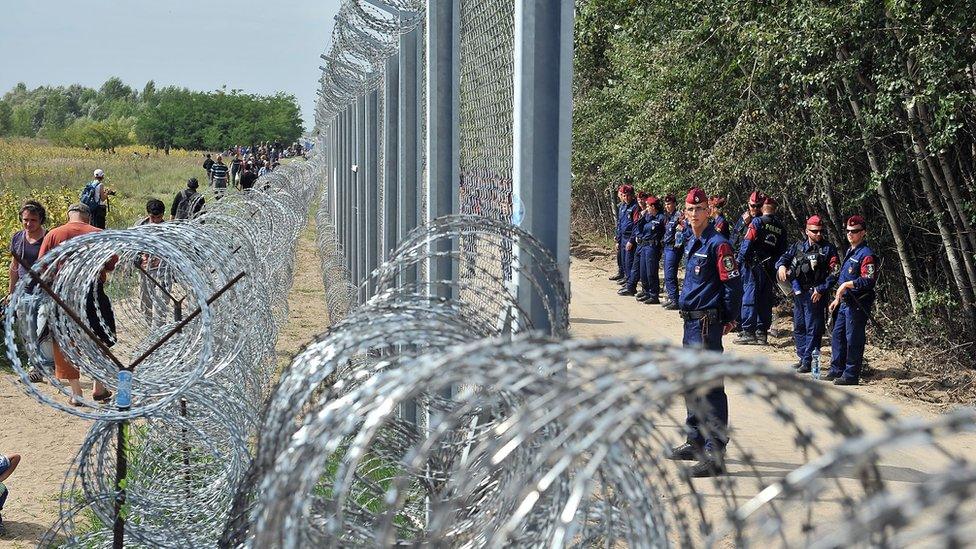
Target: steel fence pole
[(542, 132), (409, 129), (371, 233), (391, 147), (443, 163)]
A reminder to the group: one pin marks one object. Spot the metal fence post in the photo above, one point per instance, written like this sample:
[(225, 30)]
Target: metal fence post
[(443, 162), (349, 195), (542, 132), (391, 147), (409, 129), (371, 207)]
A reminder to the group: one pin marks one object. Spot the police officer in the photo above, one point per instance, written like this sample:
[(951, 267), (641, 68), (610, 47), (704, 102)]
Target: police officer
[(742, 224), (764, 242), (715, 204), (810, 266), (674, 237), (651, 235), (627, 212), (852, 304), (710, 296)]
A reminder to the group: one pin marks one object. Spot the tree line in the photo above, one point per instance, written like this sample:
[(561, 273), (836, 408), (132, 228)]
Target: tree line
[(865, 106), (116, 114)]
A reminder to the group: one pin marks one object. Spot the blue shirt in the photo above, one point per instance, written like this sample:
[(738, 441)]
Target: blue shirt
[(673, 230), (650, 229), (827, 268), (626, 218), (860, 266), (712, 278)]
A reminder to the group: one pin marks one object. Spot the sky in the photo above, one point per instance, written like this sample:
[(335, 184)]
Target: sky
[(256, 46)]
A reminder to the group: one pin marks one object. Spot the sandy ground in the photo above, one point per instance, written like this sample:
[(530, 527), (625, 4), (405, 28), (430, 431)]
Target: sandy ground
[(596, 310), (47, 440)]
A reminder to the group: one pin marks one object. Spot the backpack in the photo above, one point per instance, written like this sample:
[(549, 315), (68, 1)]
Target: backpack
[(89, 195), (189, 205)]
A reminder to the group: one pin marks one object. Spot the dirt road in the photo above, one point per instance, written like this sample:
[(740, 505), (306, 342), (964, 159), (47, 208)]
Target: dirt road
[(596, 310)]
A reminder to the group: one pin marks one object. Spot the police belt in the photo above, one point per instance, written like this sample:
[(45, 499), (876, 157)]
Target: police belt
[(710, 314), (651, 241)]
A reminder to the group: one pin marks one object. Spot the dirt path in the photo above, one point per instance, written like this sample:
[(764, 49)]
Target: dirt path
[(596, 310), (47, 440)]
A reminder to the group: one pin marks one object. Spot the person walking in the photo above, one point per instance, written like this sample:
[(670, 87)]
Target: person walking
[(27, 245), (236, 166), (207, 164), (188, 202), (95, 196), (98, 308), (810, 266), (155, 278), (852, 303), (765, 241), (710, 296), (674, 240), (218, 174)]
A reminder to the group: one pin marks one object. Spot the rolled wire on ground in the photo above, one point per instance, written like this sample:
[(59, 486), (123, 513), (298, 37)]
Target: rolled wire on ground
[(193, 308)]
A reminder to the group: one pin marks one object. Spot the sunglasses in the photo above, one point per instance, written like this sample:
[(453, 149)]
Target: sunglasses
[(814, 231), (854, 231), (753, 205)]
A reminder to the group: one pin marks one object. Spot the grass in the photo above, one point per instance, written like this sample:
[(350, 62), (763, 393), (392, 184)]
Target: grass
[(54, 176)]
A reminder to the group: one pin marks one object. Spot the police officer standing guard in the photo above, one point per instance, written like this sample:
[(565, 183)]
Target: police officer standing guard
[(627, 213), (810, 266), (710, 297), (852, 302), (765, 241), (651, 234), (716, 203), (673, 245)]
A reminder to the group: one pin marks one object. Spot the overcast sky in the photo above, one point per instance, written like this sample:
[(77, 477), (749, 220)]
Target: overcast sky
[(257, 46)]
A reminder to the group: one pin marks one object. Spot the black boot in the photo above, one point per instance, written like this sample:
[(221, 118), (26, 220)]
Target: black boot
[(626, 291), (617, 277), (711, 465), (687, 452), (652, 300), (745, 338), (762, 337), (641, 295), (804, 369)]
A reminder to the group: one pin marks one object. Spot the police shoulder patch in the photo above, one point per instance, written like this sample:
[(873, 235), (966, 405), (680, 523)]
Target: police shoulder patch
[(728, 263)]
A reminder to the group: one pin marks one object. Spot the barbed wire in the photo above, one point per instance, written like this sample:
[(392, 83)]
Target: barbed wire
[(191, 310)]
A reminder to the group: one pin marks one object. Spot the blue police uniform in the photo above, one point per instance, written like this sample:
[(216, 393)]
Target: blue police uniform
[(721, 225), (648, 237), (811, 267), (847, 338), (621, 212), (637, 247), (710, 297), (674, 238), (764, 241), (628, 221)]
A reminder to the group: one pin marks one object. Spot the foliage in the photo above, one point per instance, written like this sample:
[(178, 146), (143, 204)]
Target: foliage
[(834, 108), (116, 114)]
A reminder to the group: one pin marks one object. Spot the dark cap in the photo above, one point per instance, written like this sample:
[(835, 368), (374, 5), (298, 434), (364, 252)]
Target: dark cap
[(192, 183), (670, 199)]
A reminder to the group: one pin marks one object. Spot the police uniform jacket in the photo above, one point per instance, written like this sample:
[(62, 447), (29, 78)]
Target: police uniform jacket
[(859, 265), (765, 239), (721, 225), (712, 278), (811, 266), (649, 230), (628, 216), (673, 230)]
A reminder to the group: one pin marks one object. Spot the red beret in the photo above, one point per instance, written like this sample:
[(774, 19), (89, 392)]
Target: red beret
[(756, 197), (717, 201), (670, 199), (856, 221), (626, 189), (642, 195), (652, 200), (696, 196), (814, 220), (769, 200)]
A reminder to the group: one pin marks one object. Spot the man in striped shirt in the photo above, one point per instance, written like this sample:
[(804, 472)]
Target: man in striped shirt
[(219, 174)]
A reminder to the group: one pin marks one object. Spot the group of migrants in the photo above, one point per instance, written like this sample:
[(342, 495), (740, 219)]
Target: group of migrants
[(731, 278), (247, 164), (86, 216)]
